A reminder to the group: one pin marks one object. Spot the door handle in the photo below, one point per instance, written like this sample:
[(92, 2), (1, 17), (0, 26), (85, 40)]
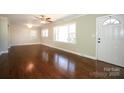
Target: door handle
[(99, 40)]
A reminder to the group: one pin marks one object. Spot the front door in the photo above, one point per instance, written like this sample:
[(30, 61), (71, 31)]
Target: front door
[(110, 39)]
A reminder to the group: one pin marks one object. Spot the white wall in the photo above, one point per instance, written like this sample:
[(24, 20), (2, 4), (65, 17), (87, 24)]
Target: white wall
[(21, 35), (3, 35)]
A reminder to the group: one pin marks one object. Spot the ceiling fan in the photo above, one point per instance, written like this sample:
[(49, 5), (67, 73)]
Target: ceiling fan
[(44, 19)]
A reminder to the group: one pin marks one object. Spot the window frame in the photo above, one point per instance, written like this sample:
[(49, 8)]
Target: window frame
[(45, 33), (33, 34)]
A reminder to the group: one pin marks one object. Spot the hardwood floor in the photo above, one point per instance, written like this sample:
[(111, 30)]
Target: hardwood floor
[(42, 62)]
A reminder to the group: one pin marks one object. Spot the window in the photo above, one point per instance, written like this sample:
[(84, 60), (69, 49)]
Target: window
[(111, 20), (65, 33), (33, 34), (45, 33)]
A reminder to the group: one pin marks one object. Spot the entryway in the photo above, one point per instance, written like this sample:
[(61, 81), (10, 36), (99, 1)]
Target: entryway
[(110, 39)]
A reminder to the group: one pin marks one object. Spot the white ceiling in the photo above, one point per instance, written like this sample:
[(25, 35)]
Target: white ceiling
[(23, 19)]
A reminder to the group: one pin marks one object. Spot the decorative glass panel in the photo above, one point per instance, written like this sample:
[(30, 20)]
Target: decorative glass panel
[(111, 20)]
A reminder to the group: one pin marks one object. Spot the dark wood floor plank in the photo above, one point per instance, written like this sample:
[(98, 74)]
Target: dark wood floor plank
[(42, 62)]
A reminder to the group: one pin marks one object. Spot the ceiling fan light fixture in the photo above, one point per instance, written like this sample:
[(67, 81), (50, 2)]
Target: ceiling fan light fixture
[(43, 22), (44, 19), (29, 25)]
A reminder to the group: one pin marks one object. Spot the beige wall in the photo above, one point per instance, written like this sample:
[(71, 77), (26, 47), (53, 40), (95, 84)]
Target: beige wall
[(3, 34), (85, 33), (20, 35)]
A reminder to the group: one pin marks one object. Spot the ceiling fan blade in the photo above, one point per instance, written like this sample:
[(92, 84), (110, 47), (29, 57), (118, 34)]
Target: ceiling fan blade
[(48, 18), (50, 21), (44, 18), (42, 15), (39, 17), (36, 17)]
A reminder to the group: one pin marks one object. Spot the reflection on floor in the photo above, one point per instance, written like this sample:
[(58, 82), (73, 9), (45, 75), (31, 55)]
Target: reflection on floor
[(38, 61)]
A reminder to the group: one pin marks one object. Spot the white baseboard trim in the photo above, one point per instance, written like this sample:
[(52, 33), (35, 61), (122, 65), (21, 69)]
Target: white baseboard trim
[(3, 52), (91, 57), (25, 44), (87, 56)]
